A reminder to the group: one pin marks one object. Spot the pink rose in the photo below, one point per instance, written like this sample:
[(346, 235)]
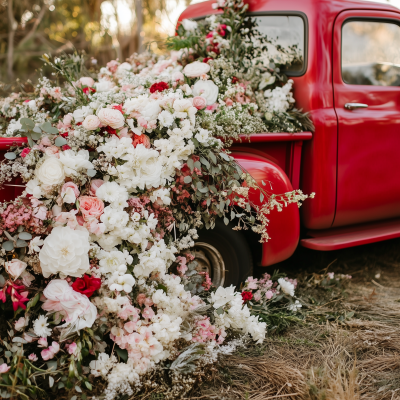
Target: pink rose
[(196, 69), (141, 298), (72, 348), (52, 151), (111, 117), (47, 354), (15, 267), (94, 185), (68, 119), (55, 347), (91, 207), (229, 102), (40, 213), (42, 342), (199, 102), (4, 368), (86, 81), (33, 357), (178, 76), (69, 192), (91, 122), (113, 66)]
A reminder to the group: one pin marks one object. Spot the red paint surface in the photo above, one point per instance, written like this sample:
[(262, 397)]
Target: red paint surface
[(340, 238), (352, 162), (284, 227)]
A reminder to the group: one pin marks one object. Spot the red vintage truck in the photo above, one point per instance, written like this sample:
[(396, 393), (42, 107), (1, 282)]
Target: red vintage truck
[(349, 82)]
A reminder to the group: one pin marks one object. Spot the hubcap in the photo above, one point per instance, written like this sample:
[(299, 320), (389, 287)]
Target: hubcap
[(209, 260)]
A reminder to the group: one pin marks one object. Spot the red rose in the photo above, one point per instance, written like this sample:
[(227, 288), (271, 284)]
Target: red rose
[(159, 87), (246, 296), (25, 152), (119, 108), (205, 60), (234, 80), (66, 147), (87, 90), (86, 285)]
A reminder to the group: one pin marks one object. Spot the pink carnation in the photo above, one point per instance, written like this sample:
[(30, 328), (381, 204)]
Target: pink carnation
[(91, 207)]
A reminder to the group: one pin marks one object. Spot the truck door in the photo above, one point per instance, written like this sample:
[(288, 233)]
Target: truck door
[(366, 80)]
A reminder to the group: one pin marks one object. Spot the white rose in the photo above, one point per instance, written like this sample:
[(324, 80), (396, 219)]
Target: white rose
[(33, 188), (207, 89), (189, 25), (55, 289), (182, 105), (196, 69), (151, 111), (78, 115), (286, 287), (103, 85), (111, 117), (32, 105), (51, 172), (74, 162), (65, 251), (91, 122)]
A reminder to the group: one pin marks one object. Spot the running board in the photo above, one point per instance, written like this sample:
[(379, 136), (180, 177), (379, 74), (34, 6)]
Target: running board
[(341, 238)]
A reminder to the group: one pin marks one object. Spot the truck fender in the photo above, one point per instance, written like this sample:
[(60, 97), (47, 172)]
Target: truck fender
[(284, 226)]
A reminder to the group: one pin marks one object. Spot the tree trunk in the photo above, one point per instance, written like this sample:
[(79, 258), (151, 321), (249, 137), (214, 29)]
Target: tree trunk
[(12, 24), (139, 19)]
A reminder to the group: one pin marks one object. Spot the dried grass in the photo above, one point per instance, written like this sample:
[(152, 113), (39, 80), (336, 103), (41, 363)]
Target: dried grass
[(356, 359)]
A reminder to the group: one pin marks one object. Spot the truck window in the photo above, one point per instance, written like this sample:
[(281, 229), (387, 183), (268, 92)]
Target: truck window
[(287, 31), (371, 53)]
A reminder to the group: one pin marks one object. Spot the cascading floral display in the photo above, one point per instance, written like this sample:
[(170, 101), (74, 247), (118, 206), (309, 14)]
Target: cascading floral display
[(97, 277)]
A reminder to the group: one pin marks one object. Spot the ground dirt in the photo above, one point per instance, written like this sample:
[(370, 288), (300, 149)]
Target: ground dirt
[(348, 346)]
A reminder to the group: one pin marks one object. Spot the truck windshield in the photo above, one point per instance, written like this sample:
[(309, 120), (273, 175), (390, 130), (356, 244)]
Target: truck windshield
[(287, 31)]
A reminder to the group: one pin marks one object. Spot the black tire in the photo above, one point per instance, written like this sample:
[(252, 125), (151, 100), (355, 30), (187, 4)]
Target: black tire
[(233, 250)]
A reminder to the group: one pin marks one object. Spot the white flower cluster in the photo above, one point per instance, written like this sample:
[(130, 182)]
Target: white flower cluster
[(280, 98)]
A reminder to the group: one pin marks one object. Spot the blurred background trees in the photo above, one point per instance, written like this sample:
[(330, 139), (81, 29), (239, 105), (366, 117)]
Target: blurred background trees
[(104, 29)]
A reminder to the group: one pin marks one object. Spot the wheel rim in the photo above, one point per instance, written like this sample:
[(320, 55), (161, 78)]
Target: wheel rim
[(210, 260)]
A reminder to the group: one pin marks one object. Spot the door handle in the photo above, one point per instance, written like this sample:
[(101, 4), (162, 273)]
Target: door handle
[(354, 106)]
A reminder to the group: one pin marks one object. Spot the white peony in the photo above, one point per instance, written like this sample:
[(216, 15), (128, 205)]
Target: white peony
[(65, 251), (189, 25), (75, 162), (222, 296), (286, 287), (51, 172), (151, 111), (196, 69), (207, 89), (111, 192), (91, 122), (166, 118)]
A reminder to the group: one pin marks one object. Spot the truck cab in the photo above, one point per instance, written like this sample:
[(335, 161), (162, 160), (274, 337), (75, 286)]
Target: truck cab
[(348, 81)]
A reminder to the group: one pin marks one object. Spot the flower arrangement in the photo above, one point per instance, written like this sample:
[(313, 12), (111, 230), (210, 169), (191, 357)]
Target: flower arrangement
[(97, 279)]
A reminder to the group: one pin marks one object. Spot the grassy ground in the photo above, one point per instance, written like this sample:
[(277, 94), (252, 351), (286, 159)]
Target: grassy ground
[(348, 346)]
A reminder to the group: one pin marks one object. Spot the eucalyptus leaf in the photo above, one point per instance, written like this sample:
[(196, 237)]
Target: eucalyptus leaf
[(37, 129), (205, 162), (224, 156), (190, 164), (91, 172), (187, 179), (46, 125), (8, 246), (25, 236), (10, 156), (21, 243), (36, 135), (30, 141), (28, 122), (53, 130), (60, 141)]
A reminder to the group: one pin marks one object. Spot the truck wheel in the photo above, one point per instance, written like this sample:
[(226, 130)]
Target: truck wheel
[(224, 254)]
